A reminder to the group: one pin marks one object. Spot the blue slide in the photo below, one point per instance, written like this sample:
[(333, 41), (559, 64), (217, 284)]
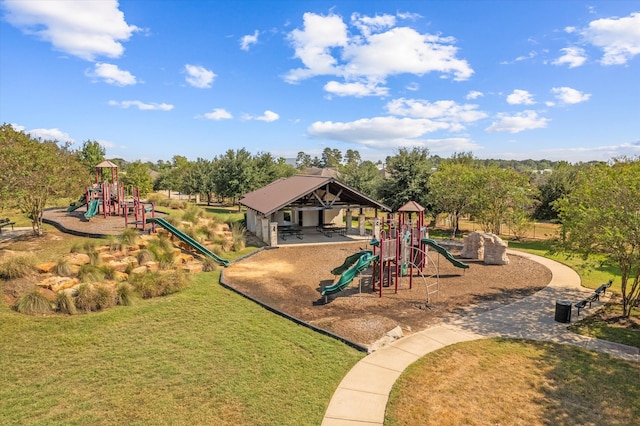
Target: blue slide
[(455, 262), (187, 239)]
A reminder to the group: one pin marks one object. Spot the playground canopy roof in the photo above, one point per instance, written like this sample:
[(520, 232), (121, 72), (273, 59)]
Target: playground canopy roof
[(306, 192), (411, 206)]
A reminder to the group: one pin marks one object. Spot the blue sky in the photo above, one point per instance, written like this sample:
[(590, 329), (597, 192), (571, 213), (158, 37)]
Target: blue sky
[(558, 80)]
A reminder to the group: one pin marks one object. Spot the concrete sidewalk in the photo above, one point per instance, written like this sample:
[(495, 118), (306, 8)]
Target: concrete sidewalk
[(361, 398)]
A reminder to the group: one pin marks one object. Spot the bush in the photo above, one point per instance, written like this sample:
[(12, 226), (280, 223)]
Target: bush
[(86, 298), (237, 234), (156, 198), (159, 284), (124, 294), (105, 295), (144, 256), (129, 236), (209, 265), (65, 304), (193, 214), (90, 273), (114, 243), (33, 303), (64, 268), (108, 271), (17, 267)]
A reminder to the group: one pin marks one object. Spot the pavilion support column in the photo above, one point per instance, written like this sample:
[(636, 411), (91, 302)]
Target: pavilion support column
[(376, 227), (264, 229), (273, 234), (361, 225), (349, 220)]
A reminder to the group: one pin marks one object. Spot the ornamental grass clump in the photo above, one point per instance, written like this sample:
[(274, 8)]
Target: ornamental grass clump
[(65, 304), (193, 214), (209, 265), (124, 294), (64, 268), (90, 273), (129, 236), (105, 295), (86, 298), (109, 272), (33, 303), (237, 235), (144, 256), (17, 267)]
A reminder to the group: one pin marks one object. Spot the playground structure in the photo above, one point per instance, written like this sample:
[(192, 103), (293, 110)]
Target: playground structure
[(400, 251), (109, 197)]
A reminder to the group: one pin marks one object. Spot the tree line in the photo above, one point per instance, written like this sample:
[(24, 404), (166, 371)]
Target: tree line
[(596, 203)]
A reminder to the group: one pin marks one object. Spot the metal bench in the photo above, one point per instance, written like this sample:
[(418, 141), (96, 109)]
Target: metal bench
[(6, 222)]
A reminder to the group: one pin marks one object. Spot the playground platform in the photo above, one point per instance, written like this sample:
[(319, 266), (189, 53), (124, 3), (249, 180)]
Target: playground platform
[(361, 398)]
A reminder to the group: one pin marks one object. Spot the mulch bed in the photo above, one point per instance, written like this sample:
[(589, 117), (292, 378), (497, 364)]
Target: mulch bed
[(291, 278)]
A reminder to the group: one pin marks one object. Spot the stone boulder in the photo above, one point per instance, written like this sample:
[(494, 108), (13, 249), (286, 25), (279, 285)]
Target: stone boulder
[(489, 248)]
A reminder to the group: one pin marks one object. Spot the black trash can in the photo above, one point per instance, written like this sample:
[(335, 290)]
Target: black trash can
[(563, 311)]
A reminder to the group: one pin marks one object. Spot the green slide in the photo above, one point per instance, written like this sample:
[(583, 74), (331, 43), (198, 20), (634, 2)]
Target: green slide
[(92, 209), (455, 262), (75, 206), (187, 239), (364, 259)]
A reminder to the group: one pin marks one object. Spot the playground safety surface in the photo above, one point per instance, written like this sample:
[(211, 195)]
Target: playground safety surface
[(291, 278)]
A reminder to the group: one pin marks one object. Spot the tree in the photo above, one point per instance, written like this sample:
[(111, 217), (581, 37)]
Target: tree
[(35, 172), (331, 157), (303, 160), (138, 175), (499, 194), (352, 157), (452, 189), (408, 177), (364, 177), (557, 185), (91, 154), (234, 174), (602, 215), (199, 179), (268, 169)]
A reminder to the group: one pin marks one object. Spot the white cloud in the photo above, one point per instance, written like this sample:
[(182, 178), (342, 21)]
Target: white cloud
[(568, 96), (389, 133), (619, 38), (520, 97), (218, 114), (111, 74), (474, 94), (198, 76), (369, 51), (413, 86), (247, 40), (86, 29), (50, 135), (444, 111), (519, 122), (267, 116), (357, 89), (142, 105), (576, 154), (572, 56)]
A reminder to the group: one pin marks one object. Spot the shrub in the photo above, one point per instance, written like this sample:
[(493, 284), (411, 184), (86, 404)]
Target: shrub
[(64, 303), (165, 259), (86, 246), (160, 284), (156, 198), (105, 296), (90, 273), (16, 267), (237, 234), (33, 303), (108, 271), (173, 282), (204, 232), (64, 268), (177, 204), (114, 243), (209, 265), (144, 256), (174, 219), (129, 236), (86, 298), (124, 294), (193, 214), (145, 284)]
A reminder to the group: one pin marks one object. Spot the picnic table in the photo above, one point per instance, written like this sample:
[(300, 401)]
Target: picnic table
[(328, 229), (289, 230)]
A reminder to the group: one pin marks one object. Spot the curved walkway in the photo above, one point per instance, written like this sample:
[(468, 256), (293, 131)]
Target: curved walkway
[(361, 398)]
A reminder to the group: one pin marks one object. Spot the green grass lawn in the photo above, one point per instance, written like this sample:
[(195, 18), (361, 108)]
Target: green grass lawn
[(202, 356), (516, 382)]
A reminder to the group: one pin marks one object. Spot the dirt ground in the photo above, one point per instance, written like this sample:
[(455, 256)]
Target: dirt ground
[(291, 279)]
